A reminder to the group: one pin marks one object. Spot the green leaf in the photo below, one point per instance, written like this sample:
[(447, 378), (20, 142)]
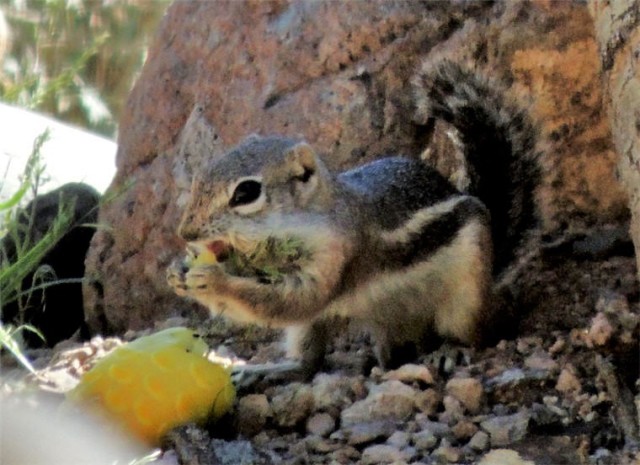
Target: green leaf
[(12, 274), (32, 170), (9, 341)]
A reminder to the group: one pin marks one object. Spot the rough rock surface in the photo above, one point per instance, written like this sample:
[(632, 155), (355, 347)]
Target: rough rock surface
[(338, 74), (617, 26)]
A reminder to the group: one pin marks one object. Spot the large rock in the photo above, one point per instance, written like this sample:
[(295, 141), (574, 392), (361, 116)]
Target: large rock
[(618, 32), (338, 74)]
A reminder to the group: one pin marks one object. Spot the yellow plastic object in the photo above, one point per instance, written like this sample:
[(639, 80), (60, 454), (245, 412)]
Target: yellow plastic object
[(156, 383)]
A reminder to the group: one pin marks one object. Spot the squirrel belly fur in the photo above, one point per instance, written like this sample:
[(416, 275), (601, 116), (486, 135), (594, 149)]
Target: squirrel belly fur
[(392, 245)]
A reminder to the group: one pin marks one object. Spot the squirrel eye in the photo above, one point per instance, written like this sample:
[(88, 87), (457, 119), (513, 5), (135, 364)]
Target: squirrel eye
[(245, 193)]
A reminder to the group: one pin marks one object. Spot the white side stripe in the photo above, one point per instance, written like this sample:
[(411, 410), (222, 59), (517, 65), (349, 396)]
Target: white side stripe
[(421, 219)]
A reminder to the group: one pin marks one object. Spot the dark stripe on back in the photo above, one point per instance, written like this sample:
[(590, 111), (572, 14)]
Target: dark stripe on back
[(438, 233)]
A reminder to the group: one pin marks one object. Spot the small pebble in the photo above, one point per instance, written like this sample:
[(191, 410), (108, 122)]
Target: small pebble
[(292, 404), (600, 331), (346, 454), (321, 424), (428, 401), (409, 373), (540, 361), (332, 392), (453, 410), (424, 440), (440, 430), (399, 439), (507, 377), (507, 429), (321, 445), (391, 400), (568, 382), (364, 433), (468, 391), (480, 441), (504, 457), (463, 430), (447, 453), (381, 453), (557, 346), (252, 414)]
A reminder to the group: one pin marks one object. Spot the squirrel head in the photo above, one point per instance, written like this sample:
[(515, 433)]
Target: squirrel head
[(255, 185)]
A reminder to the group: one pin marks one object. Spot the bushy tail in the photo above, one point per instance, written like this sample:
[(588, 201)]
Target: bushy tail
[(499, 145)]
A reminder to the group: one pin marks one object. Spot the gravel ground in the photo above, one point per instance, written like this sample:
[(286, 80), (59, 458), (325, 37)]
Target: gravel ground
[(565, 391)]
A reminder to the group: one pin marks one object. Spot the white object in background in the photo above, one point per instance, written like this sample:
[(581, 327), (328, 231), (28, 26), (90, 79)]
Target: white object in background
[(70, 154)]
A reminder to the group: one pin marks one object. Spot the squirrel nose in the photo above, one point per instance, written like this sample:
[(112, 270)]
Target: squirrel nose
[(188, 230)]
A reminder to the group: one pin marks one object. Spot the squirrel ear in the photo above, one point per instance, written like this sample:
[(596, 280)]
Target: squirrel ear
[(303, 161)]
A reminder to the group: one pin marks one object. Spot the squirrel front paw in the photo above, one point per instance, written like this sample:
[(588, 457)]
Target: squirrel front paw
[(185, 279), (176, 276), (204, 278)]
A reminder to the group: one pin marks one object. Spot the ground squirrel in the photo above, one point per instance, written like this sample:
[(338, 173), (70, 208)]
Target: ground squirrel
[(391, 244)]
